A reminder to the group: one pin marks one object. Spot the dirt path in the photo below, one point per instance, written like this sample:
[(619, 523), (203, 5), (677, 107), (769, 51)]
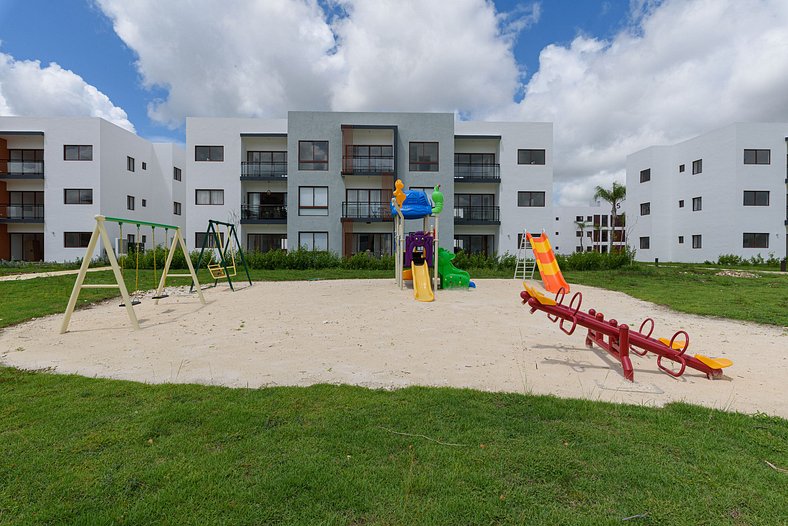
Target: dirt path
[(370, 333), (34, 275)]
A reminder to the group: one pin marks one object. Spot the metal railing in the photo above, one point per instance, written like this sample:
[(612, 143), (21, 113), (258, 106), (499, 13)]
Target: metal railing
[(22, 212), (23, 168), (263, 212), (373, 164), (263, 170), (477, 172), (369, 210), (477, 214)]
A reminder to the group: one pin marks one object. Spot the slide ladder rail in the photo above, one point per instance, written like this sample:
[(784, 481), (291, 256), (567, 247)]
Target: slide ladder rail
[(617, 339)]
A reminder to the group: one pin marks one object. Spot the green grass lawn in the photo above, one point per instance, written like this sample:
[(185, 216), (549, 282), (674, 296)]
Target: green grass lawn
[(88, 451), (29, 268), (697, 290)]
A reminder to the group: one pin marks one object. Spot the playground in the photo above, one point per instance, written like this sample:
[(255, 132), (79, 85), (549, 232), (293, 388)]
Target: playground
[(372, 333)]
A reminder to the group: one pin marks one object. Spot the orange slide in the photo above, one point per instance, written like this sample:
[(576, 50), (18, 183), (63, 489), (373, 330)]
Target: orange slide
[(552, 279)]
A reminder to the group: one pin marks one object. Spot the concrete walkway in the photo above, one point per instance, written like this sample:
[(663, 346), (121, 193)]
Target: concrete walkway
[(34, 275)]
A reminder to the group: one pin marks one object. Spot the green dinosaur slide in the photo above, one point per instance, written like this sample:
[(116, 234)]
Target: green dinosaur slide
[(451, 276)]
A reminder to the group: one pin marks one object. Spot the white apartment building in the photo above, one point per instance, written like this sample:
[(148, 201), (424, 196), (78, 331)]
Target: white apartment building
[(587, 229), (56, 174), (323, 180), (319, 180), (723, 192)]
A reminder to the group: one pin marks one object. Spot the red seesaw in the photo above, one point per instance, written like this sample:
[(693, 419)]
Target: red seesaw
[(620, 339)]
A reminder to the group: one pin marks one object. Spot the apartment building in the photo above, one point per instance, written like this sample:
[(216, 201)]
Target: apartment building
[(56, 174), (587, 229), (323, 180), (723, 192)]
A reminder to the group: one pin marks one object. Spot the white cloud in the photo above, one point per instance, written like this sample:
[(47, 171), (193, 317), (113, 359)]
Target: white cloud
[(231, 58), (28, 89), (682, 68), (262, 58)]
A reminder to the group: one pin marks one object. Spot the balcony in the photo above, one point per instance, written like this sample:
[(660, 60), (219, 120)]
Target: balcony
[(477, 173), (477, 215), (263, 214), (368, 160), (21, 169), (21, 213), (263, 171), (366, 211)]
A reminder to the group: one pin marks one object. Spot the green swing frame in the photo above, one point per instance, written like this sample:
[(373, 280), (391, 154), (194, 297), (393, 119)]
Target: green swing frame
[(223, 249)]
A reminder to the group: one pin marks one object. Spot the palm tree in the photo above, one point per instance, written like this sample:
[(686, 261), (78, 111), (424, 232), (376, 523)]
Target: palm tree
[(582, 226), (614, 196)]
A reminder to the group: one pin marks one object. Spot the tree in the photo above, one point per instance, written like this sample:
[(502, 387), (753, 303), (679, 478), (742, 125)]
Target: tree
[(582, 226), (614, 196)]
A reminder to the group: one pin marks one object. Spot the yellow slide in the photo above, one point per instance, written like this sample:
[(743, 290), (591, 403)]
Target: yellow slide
[(422, 283), (552, 279)]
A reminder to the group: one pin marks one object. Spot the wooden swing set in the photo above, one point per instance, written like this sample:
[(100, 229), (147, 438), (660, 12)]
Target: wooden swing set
[(100, 231), (226, 267)]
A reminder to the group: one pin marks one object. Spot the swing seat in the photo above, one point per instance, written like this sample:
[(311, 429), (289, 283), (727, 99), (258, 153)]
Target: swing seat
[(133, 302), (217, 271), (161, 296)]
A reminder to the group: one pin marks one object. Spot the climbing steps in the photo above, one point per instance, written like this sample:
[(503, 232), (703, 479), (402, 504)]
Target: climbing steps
[(526, 260)]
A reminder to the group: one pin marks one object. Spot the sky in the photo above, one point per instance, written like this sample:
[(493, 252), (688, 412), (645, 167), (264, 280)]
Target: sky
[(614, 76)]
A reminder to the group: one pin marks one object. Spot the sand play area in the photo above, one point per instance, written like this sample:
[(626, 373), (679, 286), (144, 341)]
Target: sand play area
[(370, 333)]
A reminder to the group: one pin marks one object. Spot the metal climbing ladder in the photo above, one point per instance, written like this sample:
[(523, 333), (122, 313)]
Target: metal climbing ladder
[(526, 260)]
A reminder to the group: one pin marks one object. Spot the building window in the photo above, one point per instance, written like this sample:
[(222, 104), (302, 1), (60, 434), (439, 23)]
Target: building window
[(266, 242), (681, 240), (313, 240), (697, 166), (697, 241), (530, 198), (313, 155), (208, 239), (209, 197), (755, 240), (645, 243), (76, 239), (475, 244), (423, 157), (757, 156), (681, 203), (176, 173), (645, 175), (579, 233), (604, 218), (176, 208), (130, 164), (578, 249), (681, 168), (579, 219), (78, 152), (530, 157), (375, 244), (756, 198), (312, 201), (78, 196), (144, 202), (144, 165), (209, 153), (697, 204), (589, 219), (130, 202)]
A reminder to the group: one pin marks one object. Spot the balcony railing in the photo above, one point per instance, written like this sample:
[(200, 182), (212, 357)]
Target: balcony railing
[(263, 213), (470, 173), (22, 169), (263, 170), (366, 165), (477, 215), (366, 210), (22, 213)]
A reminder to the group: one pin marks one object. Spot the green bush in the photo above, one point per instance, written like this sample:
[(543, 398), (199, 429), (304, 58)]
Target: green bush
[(146, 259), (595, 260)]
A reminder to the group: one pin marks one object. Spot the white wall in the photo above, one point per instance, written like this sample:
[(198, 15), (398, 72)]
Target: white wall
[(723, 219)]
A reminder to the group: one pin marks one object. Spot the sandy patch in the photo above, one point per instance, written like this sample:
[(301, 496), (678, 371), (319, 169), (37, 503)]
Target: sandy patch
[(370, 333)]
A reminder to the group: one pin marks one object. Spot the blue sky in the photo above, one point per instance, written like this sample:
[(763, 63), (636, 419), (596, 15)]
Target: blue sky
[(613, 76)]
